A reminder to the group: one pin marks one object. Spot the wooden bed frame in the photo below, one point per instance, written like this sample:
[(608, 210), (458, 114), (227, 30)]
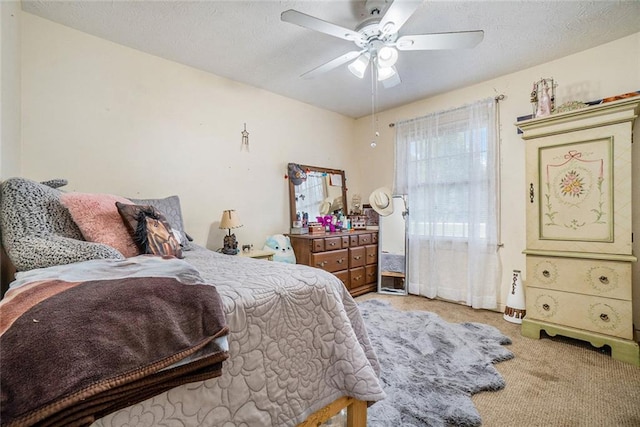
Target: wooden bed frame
[(356, 413), (7, 271)]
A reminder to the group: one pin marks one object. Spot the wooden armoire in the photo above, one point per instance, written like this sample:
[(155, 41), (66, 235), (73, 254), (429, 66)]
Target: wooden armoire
[(579, 255)]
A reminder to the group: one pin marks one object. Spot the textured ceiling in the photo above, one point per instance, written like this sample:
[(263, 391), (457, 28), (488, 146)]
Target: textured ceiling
[(246, 41)]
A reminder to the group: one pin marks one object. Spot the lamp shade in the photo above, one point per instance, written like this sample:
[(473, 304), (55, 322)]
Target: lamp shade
[(385, 73), (230, 219), (359, 66), (387, 56)]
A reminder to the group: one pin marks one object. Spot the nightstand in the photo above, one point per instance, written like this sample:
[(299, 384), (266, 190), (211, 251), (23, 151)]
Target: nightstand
[(258, 254)]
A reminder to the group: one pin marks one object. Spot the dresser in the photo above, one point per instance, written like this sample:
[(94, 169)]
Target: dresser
[(579, 254), (351, 256)]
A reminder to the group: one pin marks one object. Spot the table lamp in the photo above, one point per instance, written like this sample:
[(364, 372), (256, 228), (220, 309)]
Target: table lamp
[(228, 221)]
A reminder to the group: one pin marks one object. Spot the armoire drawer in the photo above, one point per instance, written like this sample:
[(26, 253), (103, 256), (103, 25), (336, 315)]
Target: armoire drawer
[(584, 276), (331, 261), (590, 313)]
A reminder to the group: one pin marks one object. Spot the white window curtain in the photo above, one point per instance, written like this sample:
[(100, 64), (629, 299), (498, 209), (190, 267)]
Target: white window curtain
[(447, 164)]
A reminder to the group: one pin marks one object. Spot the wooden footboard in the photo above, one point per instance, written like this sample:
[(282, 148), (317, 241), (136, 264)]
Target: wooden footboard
[(7, 271), (356, 413)]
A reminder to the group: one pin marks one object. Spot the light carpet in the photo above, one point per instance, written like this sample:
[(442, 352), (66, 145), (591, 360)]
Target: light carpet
[(430, 367)]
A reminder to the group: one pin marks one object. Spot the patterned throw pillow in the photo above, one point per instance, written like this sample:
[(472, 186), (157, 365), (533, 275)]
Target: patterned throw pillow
[(150, 230), (170, 207)]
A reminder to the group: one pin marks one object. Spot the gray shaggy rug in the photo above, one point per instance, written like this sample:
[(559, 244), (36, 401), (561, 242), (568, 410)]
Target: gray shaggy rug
[(429, 367)]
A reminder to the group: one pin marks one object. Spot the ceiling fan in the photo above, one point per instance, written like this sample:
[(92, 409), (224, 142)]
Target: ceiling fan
[(378, 41)]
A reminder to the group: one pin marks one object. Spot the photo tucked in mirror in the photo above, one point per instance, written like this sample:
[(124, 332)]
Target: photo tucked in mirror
[(321, 193)]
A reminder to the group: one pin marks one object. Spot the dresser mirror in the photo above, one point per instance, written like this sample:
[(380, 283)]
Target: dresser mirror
[(323, 192)]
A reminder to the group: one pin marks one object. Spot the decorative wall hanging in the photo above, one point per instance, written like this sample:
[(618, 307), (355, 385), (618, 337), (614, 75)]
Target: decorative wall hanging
[(245, 139)]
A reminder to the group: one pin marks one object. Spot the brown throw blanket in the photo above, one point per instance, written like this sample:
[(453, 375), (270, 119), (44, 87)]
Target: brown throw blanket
[(72, 352)]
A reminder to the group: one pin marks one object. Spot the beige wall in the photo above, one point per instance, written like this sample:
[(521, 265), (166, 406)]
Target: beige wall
[(112, 119), (607, 70), (9, 89)]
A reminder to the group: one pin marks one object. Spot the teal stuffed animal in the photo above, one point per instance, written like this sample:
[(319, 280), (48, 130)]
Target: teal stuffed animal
[(281, 245)]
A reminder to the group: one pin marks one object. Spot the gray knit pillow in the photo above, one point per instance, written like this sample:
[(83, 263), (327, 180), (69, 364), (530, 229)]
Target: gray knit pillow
[(38, 231)]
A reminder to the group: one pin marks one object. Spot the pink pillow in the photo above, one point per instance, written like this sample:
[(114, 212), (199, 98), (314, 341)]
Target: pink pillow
[(98, 219)]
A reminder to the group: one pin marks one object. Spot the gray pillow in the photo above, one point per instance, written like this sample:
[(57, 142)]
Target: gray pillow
[(38, 231), (51, 250), (170, 207)]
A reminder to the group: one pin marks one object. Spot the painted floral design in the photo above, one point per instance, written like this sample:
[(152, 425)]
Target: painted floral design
[(572, 184)]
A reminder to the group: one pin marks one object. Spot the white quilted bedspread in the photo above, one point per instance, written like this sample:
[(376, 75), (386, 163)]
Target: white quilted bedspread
[(297, 342)]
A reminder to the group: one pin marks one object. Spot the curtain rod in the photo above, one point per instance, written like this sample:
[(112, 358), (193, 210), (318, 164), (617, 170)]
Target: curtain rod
[(498, 98)]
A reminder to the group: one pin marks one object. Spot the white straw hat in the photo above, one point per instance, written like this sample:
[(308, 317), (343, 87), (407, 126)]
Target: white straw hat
[(325, 206), (380, 200)]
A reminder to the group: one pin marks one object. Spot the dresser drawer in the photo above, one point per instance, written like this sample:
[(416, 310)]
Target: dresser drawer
[(357, 277), (372, 254), (357, 257), (345, 242), (364, 239), (331, 261), (584, 276), (317, 245), (371, 273), (332, 243), (591, 313), (343, 276)]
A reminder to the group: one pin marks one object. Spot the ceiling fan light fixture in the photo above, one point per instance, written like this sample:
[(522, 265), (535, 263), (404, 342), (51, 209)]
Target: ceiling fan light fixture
[(387, 56), (393, 80), (385, 73), (359, 66)]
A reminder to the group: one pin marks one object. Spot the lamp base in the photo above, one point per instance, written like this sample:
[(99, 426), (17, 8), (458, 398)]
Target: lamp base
[(230, 245)]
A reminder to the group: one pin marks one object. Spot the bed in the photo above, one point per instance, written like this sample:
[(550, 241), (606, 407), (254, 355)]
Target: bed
[(290, 348)]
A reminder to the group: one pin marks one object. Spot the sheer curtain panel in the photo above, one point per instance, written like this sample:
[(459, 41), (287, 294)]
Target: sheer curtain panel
[(448, 165)]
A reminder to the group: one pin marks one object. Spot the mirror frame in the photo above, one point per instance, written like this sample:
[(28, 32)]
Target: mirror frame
[(292, 191)]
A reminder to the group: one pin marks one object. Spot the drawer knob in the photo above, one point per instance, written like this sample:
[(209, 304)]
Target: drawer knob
[(604, 317), (357, 257), (340, 261), (332, 243), (604, 280), (546, 273), (321, 264), (546, 307)]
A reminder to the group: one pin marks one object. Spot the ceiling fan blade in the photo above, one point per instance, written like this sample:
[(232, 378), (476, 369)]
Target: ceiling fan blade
[(316, 24), (334, 63), (397, 14), (457, 40)]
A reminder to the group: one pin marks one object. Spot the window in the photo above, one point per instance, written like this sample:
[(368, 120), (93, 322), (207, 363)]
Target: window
[(447, 160)]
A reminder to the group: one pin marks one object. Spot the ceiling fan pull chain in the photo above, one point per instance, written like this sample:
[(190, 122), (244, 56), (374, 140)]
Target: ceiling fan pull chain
[(374, 129)]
